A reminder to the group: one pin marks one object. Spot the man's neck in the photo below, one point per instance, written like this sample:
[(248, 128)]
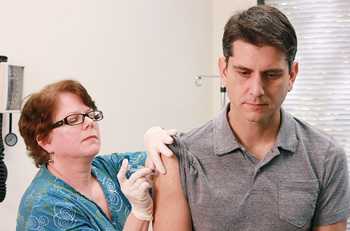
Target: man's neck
[(257, 138)]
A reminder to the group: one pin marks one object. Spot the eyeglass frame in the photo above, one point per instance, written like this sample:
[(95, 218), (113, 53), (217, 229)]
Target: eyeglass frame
[(65, 119)]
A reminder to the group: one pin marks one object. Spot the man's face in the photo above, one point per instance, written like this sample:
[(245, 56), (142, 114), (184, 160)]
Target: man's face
[(257, 80)]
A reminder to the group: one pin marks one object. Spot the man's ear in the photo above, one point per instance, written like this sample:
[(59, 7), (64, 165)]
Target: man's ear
[(44, 143), (294, 69), (222, 64)]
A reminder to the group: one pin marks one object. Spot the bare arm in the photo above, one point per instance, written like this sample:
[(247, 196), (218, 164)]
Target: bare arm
[(339, 226), (134, 224), (171, 210)]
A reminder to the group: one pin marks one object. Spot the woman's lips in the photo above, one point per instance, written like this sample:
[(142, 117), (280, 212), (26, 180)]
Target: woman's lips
[(90, 137)]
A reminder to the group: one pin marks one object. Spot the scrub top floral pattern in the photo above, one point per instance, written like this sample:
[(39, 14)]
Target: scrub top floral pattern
[(51, 204)]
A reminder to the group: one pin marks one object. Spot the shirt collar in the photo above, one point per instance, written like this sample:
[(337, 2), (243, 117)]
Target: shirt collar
[(226, 142), (224, 139), (287, 134)]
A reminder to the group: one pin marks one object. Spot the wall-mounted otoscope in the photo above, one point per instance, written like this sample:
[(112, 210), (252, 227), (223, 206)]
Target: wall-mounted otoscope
[(199, 82)]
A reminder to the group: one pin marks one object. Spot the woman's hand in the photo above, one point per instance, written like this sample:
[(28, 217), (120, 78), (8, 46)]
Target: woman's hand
[(136, 189), (155, 140)]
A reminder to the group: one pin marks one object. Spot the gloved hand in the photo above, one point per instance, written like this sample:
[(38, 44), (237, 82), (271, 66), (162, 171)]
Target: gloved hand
[(136, 189), (155, 140)]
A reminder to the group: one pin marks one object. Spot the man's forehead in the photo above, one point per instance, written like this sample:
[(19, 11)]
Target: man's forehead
[(247, 55), (276, 67), (244, 45)]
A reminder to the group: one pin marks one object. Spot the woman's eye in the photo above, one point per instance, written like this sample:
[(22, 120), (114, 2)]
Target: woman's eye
[(73, 118)]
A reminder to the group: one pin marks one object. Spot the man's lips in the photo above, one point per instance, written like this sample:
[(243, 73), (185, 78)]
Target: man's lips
[(256, 104)]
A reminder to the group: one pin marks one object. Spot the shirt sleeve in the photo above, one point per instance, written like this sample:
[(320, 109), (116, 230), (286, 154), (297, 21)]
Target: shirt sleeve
[(178, 147), (113, 162), (334, 199)]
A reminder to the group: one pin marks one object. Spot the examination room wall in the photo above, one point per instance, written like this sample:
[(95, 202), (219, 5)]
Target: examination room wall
[(138, 59), (222, 11)]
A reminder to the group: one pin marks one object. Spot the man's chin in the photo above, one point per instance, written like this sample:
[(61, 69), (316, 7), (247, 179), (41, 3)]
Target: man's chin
[(255, 117)]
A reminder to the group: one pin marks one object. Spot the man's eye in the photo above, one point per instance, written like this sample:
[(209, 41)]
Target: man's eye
[(244, 73), (273, 75)]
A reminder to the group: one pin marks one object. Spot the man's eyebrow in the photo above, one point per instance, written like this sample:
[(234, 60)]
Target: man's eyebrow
[(241, 67), (274, 70)]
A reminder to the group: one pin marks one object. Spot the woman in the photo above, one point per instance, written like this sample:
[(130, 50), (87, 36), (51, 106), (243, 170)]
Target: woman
[(74, 189)]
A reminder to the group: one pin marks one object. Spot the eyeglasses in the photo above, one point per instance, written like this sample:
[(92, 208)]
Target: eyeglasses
[(78, 118)]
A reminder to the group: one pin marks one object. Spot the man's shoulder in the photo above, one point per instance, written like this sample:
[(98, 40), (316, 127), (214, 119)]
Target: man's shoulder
[(312, 133), (198, 134), (197, 142), (201, 135), (315, 140)]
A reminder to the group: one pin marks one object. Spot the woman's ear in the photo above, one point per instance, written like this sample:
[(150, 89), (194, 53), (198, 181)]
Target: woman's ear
[(44, 143)]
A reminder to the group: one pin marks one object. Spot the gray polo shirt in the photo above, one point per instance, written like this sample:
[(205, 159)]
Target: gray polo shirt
[(301, 183)]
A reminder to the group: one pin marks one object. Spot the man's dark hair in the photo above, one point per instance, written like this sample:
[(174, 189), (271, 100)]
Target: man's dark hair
[(261, 25)]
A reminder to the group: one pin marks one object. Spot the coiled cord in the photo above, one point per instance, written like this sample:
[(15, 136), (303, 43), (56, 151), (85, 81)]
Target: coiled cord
[(3, 169)]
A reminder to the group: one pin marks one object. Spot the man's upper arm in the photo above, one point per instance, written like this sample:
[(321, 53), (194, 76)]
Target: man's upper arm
[(340, 226), (333, 205), (171, 210)]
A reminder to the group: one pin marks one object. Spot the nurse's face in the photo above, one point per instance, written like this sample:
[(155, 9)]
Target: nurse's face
[(76, 141)]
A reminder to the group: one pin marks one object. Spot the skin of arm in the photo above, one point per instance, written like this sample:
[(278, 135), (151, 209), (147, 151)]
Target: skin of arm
[(171, 210), (134, 224), (339, 226)]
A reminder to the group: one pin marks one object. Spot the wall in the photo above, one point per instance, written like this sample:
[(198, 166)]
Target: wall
[(138, 60), (222, 10)]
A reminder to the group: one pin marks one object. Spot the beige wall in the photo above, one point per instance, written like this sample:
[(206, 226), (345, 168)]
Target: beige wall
[(222, 11), (138, 59)]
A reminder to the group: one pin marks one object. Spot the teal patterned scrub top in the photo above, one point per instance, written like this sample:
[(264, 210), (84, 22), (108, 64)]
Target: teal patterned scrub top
[(51, 204)]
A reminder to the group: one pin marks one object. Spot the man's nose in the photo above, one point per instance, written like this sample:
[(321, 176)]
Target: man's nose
[(256, 86)]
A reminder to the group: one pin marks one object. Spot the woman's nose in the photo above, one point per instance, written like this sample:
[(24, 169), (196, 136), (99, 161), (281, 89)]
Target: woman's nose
[(88, 122)]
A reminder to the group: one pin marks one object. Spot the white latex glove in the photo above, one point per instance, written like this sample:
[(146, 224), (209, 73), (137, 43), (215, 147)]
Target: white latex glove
[(155, 141), (136, 189)]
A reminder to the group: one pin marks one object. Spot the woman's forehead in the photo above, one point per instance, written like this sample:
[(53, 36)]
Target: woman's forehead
[(68, 103)]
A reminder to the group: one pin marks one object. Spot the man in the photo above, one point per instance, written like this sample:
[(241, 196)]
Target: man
[(254, 166)]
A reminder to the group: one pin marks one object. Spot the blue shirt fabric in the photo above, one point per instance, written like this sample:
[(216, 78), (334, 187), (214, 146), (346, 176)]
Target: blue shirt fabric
[(51, 204)]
